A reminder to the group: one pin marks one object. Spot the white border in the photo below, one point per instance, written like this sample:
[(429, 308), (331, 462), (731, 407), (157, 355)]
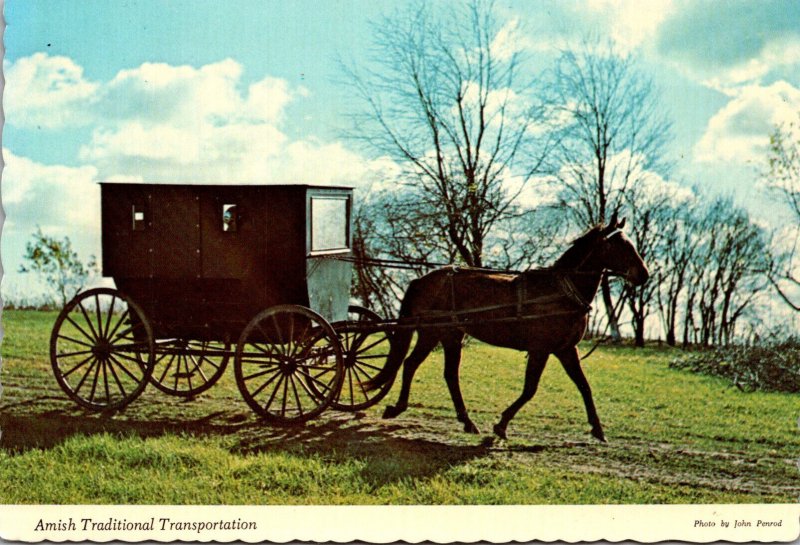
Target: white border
[(377, 524)]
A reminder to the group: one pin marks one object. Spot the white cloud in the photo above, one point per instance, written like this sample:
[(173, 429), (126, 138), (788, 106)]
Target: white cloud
[(739, 132), (777, 55), (164, 123), (512, 39), (630, 22), (268, 98), (180, 95), (53, 196), (47, 92)]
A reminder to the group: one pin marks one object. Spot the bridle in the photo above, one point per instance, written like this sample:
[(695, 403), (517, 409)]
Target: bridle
[(568, 286), (605, 238)]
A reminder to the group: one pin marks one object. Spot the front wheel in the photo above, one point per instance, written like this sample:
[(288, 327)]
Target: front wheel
[(288, 364), (365, 350), (102, 349)]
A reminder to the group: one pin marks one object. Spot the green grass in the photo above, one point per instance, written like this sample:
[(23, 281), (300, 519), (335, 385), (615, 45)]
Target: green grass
[(674, 437)]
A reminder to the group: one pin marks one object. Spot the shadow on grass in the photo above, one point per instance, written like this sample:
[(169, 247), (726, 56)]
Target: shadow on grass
[(390, 451)]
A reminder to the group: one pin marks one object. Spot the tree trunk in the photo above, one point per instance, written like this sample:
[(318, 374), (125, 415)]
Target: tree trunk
[(639, 333), (613, 323)]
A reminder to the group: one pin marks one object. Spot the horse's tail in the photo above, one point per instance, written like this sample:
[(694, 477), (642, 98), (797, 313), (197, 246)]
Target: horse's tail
[(399, 343)]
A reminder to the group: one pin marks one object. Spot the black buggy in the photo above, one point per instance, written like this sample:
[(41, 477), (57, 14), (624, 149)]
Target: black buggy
[(206, 273)]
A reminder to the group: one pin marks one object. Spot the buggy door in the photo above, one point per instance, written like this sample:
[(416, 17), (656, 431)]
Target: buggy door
[(232, 224), (176, 232)]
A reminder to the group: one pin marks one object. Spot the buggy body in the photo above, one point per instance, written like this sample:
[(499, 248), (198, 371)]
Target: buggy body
[(202, 260)]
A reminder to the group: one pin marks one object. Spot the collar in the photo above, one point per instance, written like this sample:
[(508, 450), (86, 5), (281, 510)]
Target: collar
[(568, 287)]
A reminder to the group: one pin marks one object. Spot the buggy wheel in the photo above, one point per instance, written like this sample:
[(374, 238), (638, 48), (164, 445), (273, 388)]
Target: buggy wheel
[(186, 368), (288, 364), (365, 353), (102, 349)]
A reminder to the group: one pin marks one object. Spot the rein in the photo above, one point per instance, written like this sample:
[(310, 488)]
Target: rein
[(412, 265)]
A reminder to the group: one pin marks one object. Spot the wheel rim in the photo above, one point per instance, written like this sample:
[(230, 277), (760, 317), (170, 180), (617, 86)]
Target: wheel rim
[(364, 354), (187, 368), (101, 349), (288, 364)]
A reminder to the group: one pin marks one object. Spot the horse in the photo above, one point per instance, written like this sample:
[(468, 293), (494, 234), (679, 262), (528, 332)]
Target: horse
[(540, 311)]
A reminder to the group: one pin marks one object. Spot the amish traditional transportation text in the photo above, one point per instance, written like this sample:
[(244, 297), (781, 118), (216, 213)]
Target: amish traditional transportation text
[(262, 273)]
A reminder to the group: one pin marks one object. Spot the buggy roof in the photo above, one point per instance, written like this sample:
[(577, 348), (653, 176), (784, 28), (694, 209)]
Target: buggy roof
[(178, 184)]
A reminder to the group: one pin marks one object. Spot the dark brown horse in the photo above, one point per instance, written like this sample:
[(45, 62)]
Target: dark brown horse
[(540, 311)]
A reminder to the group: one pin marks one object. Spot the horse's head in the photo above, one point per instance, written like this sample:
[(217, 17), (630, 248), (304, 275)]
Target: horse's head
[(616, 254)]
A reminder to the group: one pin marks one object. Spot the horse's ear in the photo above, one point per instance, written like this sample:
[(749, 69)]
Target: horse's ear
[(613, 223), (621, 224)]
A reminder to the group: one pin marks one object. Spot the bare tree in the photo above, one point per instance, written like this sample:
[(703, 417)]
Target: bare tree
[(648, 206), (613, 131), (678, 251), (447, 103), (783, 180), (727, 274)]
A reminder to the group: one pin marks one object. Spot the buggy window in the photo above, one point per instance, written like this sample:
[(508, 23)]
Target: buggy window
[(329, 223), (229, 217), (137, 217)]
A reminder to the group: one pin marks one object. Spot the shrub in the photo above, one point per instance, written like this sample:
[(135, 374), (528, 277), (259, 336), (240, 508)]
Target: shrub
[(773, 367)]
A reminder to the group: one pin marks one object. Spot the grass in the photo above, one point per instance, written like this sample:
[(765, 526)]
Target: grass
[(674, 437)]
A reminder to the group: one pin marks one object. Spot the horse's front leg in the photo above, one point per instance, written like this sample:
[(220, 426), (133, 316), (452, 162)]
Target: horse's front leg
[(452, 361), (533, 372), (572, 365), (425, 344)]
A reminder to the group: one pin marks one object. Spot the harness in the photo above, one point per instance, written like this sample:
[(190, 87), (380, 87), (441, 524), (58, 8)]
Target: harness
[(563, 281)]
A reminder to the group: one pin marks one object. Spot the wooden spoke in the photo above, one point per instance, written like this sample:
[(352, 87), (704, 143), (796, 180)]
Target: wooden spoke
[(109, 315), (166, 367), (95, 335), (76, 341), (79, 328), (116, 379), (85, 376), (274, 369), (119, 322), (119, 364), (276, 374), (81, 364)]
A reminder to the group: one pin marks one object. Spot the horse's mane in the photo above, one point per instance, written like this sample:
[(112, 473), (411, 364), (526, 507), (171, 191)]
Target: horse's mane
[(576, 253)]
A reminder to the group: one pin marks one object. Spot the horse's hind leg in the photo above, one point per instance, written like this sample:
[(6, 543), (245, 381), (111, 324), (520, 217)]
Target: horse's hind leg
[(426, 342), (452, 360), (572, 365), (533, 372)]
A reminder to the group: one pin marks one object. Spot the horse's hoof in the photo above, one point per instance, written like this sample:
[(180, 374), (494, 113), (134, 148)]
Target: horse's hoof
[(469, 427), (391, 411), (500, 431), (598, 434)]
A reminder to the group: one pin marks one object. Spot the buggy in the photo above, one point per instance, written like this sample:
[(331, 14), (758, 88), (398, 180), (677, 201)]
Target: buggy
[(206, 273)]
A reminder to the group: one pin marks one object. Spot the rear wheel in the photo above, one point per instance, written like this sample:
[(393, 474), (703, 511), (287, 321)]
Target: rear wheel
[(186, 368), (288, 364), (102, 349), (365, 352)]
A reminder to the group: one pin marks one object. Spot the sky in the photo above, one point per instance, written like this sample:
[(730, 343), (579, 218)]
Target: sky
[(252, 91)]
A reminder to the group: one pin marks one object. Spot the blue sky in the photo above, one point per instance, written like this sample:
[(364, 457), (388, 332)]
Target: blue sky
[(244, 91)]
